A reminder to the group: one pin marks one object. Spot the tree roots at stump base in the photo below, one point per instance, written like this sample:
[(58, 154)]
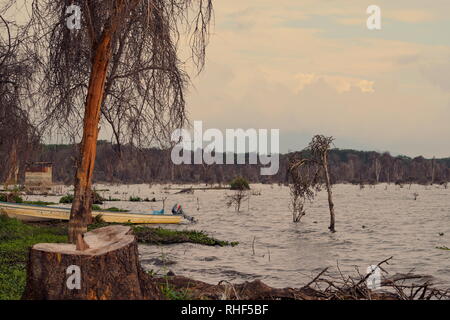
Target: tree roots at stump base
[(75, 229), (81, 245)]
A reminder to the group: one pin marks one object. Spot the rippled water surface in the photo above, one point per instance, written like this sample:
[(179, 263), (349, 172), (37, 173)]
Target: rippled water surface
[(372, 224)]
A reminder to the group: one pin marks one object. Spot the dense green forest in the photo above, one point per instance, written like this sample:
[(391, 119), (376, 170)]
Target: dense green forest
[(154, 165)]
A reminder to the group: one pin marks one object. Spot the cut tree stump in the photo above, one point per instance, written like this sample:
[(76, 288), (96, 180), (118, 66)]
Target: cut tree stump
[(108, 270)]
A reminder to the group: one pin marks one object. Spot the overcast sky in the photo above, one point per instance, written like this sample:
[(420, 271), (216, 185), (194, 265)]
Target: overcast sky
[(312, 66)]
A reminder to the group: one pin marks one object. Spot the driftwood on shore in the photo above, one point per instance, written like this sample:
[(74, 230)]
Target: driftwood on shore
[(347, 289), (109, 269)]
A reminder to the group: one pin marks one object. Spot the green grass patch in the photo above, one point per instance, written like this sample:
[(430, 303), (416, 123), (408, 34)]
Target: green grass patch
[(114, 209), (40, 203), (171, 293), (159, 236), (12, 197), (168, 236), (15, 240), (16, 237), (96, 207), (68, 198), (96, 198)]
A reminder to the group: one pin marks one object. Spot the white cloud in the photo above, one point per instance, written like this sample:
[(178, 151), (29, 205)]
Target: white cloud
[(386, 94), (409, 15), (340, 84)]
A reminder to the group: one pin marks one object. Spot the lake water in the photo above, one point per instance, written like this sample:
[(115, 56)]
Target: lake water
[(372, 224)]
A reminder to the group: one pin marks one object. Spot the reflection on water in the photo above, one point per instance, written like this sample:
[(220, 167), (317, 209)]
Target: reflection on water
[(372, 225)]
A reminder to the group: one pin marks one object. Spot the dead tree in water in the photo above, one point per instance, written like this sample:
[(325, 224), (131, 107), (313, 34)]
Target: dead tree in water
[(377, 169), (302, 187), (320, 146), (120, 68), (433, 170), (318, 162), (236, 199)]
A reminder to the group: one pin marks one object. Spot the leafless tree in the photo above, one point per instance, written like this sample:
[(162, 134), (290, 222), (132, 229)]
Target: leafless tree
[(433, 170), (318, 160), (377, 168), (121, 69), (303, 186), (236, 199), (18, 138), (387, 164), (361, 184), (319, 147)]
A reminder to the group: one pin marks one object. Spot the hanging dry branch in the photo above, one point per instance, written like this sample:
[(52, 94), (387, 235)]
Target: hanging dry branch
[(144, 97), (120, 68)]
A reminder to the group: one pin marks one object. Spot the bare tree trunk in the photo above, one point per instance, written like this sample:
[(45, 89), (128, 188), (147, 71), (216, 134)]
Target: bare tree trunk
[(172, 168), (329, 191), (11, 177), (377, 170), (80, 215), (433, 169)]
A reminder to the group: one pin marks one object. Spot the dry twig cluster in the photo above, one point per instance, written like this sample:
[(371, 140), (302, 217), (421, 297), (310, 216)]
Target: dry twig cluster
[(324, 286)]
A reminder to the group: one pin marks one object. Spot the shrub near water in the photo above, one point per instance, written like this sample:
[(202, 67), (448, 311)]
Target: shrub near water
[(40, 203), (16, 198), (11, 197), (96, 198), (239, 183), (168, 236), (114, 209), (68, 198)]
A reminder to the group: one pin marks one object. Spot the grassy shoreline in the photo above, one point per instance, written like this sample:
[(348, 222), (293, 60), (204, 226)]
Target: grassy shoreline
[(15, 240), (16, 237)]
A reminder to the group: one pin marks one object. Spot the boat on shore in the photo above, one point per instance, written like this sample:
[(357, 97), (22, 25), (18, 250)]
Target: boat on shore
[(31, 212)]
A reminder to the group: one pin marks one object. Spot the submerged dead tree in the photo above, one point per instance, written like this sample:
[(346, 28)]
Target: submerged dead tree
[(303, 186), (308, 174), (236, 199), (118, 66), (241, 187)]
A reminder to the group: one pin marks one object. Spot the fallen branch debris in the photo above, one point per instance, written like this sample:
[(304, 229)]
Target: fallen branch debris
[(324, 286)]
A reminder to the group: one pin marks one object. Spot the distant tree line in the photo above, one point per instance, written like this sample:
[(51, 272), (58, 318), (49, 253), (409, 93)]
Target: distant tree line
[(155, 166)]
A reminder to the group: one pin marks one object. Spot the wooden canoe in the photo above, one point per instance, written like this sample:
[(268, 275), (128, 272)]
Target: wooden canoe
[(35, 212)]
